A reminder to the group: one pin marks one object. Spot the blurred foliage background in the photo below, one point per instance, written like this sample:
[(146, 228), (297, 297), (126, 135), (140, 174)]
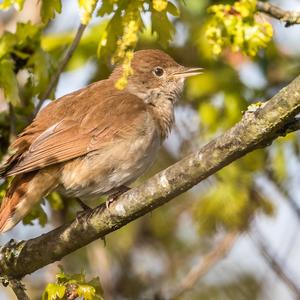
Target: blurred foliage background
[(247, 58)]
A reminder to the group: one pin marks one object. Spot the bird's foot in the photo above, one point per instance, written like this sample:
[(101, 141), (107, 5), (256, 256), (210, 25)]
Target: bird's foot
[(114, 196), (82, 204), (85, 208)]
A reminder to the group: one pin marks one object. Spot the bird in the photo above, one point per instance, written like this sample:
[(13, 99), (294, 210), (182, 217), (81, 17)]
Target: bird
[(97, 140)]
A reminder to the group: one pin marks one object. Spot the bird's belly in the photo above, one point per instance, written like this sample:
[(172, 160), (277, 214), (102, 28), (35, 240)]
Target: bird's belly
[(115, 165)]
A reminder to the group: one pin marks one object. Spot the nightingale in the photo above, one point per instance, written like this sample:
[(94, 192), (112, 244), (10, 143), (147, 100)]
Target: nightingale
[(97, 140)]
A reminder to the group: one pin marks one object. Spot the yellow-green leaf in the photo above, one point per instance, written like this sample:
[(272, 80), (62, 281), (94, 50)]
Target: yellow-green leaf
[(172, 9), (86, 291), (163, 27), (54, 291), (18, 4), (160, 5), (7, 42), (86, 9), (49, 8), (9, 82)]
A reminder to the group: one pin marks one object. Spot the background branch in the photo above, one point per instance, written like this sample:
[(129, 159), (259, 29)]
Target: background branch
[(289, 17), (62, 64), (282, 190), (274, 263), (204, 266), (255, 130)]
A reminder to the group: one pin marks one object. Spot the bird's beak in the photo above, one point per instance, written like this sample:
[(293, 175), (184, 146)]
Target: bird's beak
[(187, 72)]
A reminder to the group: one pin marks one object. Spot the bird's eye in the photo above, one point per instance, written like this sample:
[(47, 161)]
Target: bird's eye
[(158, 71)]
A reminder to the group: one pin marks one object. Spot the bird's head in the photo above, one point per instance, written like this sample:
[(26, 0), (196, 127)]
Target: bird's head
[(155, 74)]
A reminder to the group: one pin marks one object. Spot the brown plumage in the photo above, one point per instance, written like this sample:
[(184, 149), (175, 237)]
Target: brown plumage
[(95, 140)]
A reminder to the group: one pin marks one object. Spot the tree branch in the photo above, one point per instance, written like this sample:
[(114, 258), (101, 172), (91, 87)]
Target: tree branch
[(61, 66), (256, 130), (204, 266), (19, 289), (289, 17)]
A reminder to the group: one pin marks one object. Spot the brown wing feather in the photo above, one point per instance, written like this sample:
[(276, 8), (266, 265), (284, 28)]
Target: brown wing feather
[(77, 133), (59, 143)]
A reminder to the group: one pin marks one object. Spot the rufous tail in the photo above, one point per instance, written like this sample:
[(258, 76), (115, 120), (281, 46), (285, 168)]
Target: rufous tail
[(25, 191)]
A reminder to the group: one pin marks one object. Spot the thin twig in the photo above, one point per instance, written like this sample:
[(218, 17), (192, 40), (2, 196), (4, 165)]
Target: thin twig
[(280, 189), (19, 289), (61, 66), (205, 265), (289, 17), (274, 262)]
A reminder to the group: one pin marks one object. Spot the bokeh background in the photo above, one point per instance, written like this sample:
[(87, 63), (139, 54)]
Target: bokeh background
[(255, 201)]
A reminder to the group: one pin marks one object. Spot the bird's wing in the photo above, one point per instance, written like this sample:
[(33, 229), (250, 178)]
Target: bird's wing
[(68, 139), (72, 106)]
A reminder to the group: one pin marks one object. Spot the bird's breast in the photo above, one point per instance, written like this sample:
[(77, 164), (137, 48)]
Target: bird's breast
[(118, 163)]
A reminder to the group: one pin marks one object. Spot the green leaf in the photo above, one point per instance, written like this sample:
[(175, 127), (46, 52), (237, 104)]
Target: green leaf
[(106, 8), (208, 115), (40, 65), (86, 291), (159, 5), (108, 42), (236, 27), (91, 290), (54, 291), (56, 201), (7, 43), (49, 8), (18, 4), (9, 82), (163, 27), (36, 212), (173, 9), (95, 282), (86, 8), (27, 31)]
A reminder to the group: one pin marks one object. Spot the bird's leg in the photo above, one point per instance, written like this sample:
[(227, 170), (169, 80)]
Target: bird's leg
[(82, 204), (115, 195)]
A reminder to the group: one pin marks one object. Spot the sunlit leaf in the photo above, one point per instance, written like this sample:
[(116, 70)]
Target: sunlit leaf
[(173, 10), (9, 82), (36, 213), (49, 8), (86, 8), (7, 43), (106, 8), (163, 27), (86, 291), (160, 5), (41, 67), (54, 291), (18, 4), (91, 290)]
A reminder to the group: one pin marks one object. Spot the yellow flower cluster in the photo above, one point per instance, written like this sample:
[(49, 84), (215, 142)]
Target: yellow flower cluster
[(125, 45), (236, 27), (127, 70)]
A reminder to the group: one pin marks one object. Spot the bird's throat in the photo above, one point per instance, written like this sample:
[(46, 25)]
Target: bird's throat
[(162, 110)]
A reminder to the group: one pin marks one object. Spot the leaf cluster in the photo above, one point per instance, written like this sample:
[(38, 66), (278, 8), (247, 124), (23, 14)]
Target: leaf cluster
[(22, 51), (237, 27), (71, 286)]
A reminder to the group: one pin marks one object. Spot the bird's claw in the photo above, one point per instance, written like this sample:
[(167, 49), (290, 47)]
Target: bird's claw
[(113, 197)]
